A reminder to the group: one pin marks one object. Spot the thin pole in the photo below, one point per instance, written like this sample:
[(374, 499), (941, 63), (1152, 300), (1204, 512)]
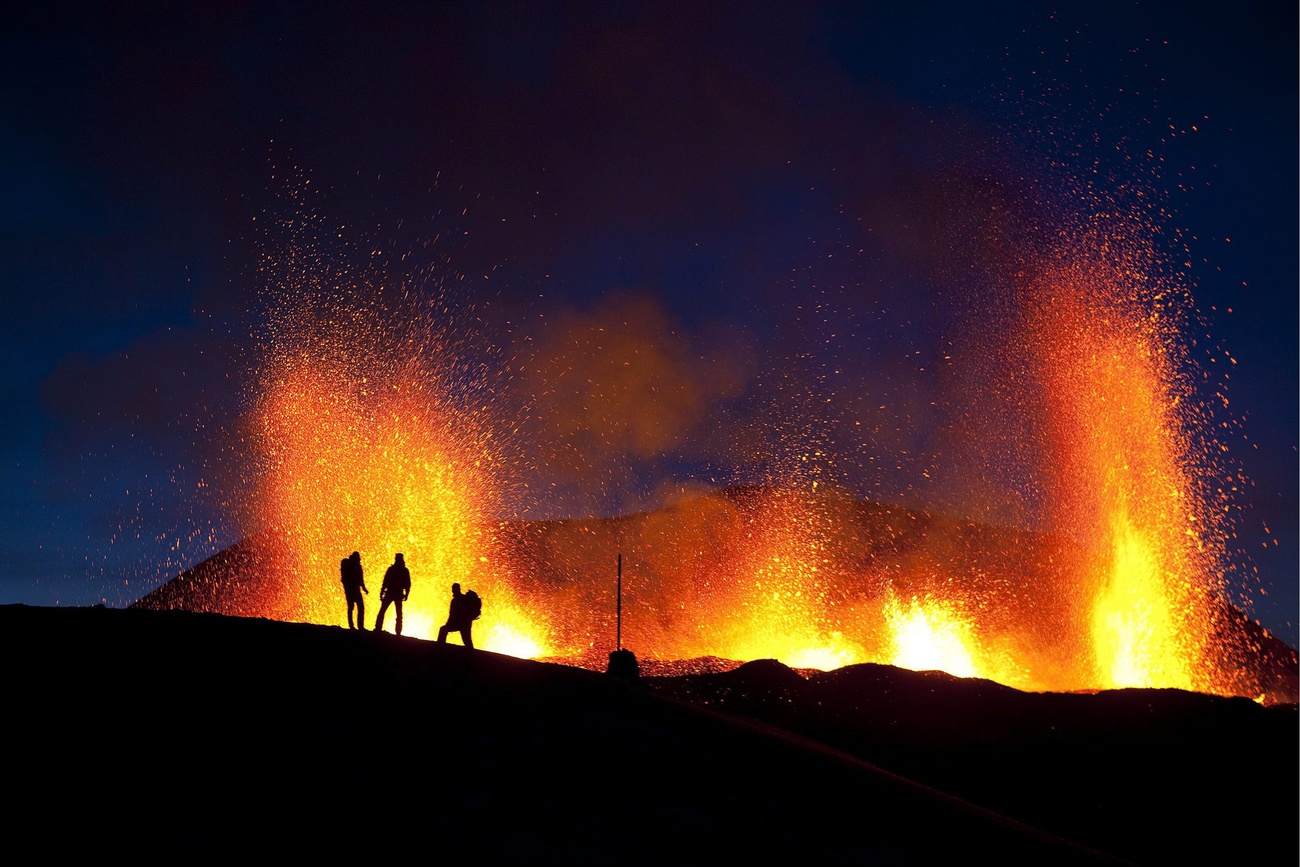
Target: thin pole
[(619, 632)]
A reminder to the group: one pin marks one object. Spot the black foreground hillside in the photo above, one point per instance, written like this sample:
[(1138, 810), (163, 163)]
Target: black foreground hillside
[(198, 736), (1159, 776)]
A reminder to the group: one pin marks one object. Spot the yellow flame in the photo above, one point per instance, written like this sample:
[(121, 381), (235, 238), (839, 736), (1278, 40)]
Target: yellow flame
[(507, 638), (1124, 471), (379, 467), (930, 637), (1136, 635), (824, 658), (776, 604)]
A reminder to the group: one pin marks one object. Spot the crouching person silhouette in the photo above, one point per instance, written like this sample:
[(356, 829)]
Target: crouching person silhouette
[(465, 609), (354, 584), (397, 586)]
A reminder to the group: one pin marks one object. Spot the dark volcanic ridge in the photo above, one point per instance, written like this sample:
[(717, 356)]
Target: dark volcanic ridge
[(198, 737), (1153, 776), (203, 736), (901, 551)]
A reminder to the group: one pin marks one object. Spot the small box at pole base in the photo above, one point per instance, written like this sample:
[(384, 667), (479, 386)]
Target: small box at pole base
[(622, 663)]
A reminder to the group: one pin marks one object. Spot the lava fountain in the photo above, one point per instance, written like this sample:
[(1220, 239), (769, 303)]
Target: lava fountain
[(379, 463), (1122, 462), (777, 592), (365, 433)]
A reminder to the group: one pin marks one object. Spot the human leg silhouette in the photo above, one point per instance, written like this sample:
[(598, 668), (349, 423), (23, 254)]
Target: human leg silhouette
[(361, 614)]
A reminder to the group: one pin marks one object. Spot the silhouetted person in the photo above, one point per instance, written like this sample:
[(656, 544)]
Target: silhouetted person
[(465, 609), (354, 584), (397, 586)]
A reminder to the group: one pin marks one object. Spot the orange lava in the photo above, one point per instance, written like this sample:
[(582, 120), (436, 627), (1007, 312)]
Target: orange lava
[(1122, 468), (362, 450), (777, 594), (931, 638), (378, 464)]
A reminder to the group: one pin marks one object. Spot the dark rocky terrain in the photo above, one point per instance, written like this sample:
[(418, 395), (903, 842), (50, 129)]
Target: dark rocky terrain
[(203, 737), (1155, 776)]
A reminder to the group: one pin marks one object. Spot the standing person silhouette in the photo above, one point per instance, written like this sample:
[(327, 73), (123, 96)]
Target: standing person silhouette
[(465, 608), (354, 584), (397, 586)]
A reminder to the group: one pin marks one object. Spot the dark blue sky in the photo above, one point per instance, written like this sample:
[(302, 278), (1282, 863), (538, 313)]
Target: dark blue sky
[(766, 177)]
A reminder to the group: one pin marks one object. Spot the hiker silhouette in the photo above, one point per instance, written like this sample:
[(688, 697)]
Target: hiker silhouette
[(465, 609), (354, 584), (397, 586)]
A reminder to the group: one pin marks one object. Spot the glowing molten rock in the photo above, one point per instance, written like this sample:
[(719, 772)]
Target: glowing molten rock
[(930, 638), (1123, 469), (380, 466), (362, 449)]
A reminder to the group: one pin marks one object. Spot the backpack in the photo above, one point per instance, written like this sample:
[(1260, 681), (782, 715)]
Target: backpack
[(473, 605)]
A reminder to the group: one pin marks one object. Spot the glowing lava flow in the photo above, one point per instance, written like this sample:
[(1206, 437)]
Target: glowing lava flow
[(376, 464)]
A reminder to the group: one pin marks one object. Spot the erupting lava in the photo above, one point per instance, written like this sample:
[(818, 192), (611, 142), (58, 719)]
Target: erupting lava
[(379, 464), (1122, 468), (778, 594), (1141, 639), (930, 637), (357, 444)]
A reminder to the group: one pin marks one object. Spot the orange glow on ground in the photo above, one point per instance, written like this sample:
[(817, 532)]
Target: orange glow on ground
[(836, 654)]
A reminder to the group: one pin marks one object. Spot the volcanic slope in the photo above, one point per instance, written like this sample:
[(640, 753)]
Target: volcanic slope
[(197, 737), (1153, 776), (690, 564)]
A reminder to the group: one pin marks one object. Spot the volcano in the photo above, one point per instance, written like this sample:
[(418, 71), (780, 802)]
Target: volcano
[(830, 573)]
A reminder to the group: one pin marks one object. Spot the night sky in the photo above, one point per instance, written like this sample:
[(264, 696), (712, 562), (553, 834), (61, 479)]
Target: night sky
[(784, 199)]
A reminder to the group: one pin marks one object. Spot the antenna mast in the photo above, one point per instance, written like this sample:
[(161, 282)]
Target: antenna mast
[(622, 663)]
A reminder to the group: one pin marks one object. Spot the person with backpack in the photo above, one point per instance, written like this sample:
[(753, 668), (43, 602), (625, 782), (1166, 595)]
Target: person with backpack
[(397, 586), (354, 584), (465, 609)]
